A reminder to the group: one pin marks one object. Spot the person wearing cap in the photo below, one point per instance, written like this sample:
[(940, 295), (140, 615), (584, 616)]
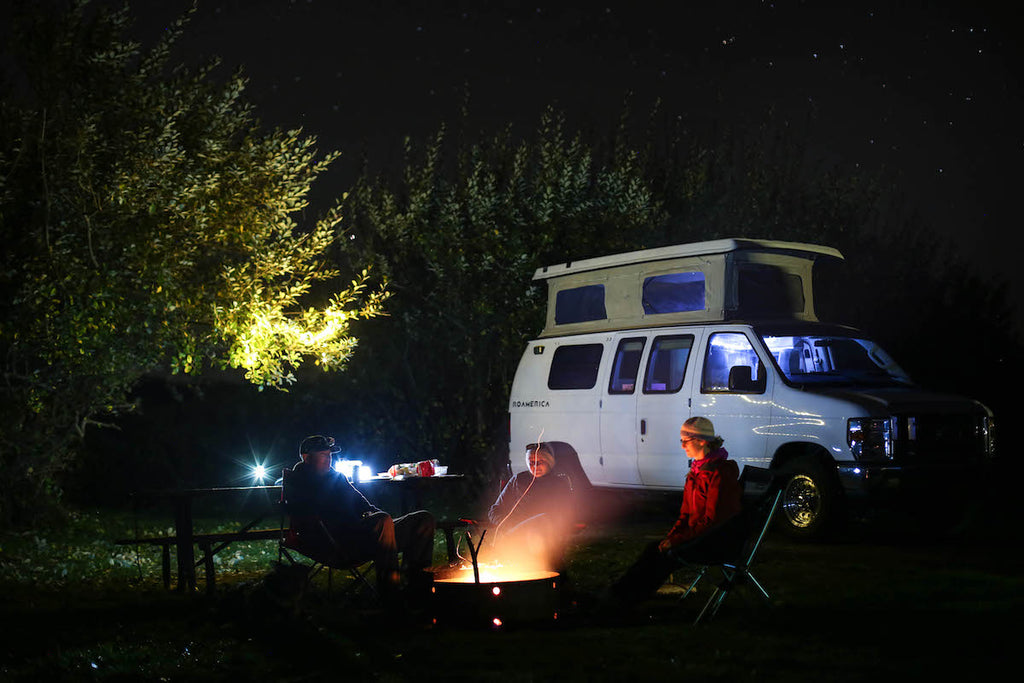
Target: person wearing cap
[(315, 492), (711, 495), (534, 510)]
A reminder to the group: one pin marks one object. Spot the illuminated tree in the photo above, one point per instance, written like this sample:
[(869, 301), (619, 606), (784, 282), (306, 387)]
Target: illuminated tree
[(148, 225)]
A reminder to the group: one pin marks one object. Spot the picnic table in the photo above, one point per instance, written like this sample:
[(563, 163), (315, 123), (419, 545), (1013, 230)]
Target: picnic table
[(185, 538)]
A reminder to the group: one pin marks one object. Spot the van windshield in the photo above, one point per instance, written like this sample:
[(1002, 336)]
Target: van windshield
[(834, 360)]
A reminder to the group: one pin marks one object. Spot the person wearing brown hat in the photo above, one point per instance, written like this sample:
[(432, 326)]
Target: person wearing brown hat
[(314, 492), (532, 514), (711, 495)]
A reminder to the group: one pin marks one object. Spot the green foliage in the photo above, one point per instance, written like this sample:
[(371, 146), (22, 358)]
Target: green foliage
[(147, 224), (458, 238)]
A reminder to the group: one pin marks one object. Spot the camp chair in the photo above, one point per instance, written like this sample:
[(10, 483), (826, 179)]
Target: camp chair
[(733, 546), (308, 536)]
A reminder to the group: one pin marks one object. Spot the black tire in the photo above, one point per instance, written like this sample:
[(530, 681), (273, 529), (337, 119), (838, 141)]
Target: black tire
[(811, 507)]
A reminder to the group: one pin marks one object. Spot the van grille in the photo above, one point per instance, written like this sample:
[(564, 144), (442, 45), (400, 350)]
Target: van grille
[(939, 439)]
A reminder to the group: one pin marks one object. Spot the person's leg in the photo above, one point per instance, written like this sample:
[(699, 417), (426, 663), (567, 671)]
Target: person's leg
[(414, 538), (646, 575), (381, 532), (414, 534)]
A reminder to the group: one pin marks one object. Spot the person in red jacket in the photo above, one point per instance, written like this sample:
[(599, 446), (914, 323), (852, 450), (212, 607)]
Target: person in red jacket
[(711, 495)]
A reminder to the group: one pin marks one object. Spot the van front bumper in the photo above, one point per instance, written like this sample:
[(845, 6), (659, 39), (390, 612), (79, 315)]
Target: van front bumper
[(861, 480)]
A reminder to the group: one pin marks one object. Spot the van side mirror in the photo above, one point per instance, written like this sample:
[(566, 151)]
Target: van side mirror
[(741, 380)]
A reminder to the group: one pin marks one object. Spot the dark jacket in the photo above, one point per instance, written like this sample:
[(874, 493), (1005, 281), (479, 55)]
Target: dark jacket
[(550, 494), (330, 496), (711, 495)]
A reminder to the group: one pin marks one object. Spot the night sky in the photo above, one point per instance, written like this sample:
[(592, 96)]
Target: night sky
[(928, 89)]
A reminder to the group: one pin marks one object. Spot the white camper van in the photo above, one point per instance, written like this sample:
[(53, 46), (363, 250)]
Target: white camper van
[(636, 343)]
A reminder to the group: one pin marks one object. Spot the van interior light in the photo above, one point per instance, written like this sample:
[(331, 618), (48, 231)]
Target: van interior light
[(730, 341), (776, 344)]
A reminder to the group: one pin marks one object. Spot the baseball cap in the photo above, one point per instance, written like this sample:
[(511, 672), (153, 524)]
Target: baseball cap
[(311, 444)]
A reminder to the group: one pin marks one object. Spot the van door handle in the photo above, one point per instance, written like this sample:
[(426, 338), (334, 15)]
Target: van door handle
[(643, 427)]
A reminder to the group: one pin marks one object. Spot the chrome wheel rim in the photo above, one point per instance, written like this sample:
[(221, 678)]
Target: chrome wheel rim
[(801, 501)]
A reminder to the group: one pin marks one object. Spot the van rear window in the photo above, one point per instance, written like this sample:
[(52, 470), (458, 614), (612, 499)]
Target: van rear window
[(666, 365), (575, 367), (674, 293), (580, 304), (626, 366)]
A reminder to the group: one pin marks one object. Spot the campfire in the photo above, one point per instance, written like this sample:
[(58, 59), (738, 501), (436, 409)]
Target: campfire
[(495, 573), (494, 594)]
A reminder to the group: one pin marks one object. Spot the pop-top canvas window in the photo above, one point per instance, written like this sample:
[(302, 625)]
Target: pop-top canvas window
[(575, 367), (766, 291), (580, 304), (674, 293)]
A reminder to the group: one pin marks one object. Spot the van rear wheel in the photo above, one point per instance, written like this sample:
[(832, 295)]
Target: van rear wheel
[(811, 502)]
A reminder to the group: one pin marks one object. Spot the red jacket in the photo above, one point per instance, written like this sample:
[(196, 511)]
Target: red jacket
[(711, 496)]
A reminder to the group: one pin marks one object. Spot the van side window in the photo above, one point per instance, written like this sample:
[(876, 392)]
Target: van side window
[(580, 304), (575, 367), (674, 293), (626, 366), (666, 366), (732, 366)]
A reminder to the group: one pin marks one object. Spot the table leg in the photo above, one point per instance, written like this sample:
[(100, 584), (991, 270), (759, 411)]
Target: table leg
[(208, 565), (449, 543), (183, 533), (165, 564)]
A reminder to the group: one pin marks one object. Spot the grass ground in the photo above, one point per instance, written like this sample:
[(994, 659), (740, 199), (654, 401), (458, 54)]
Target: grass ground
[(882, 602)]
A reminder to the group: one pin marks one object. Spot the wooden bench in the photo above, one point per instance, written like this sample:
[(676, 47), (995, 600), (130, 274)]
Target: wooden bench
[(209, 544)]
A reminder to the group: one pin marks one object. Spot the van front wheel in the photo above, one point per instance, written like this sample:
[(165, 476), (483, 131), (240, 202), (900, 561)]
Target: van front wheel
[(811, 501)]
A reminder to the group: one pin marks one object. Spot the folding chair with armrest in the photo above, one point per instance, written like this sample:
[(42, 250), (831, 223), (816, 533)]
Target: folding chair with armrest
[(308, 536), (733, 546)]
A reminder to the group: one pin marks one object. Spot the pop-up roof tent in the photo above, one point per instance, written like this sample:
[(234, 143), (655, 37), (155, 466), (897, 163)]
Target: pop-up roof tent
[(729, 279)]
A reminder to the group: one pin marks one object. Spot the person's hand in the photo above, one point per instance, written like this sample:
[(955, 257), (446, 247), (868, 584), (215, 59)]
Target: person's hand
[(665, 545)]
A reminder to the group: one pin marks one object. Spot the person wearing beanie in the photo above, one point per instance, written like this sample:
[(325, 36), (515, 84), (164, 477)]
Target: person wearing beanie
[(711, 495), (314, 492), (533, 512)]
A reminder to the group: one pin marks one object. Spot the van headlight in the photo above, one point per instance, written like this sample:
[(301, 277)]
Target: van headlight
[(988, 433), (870, 438)]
